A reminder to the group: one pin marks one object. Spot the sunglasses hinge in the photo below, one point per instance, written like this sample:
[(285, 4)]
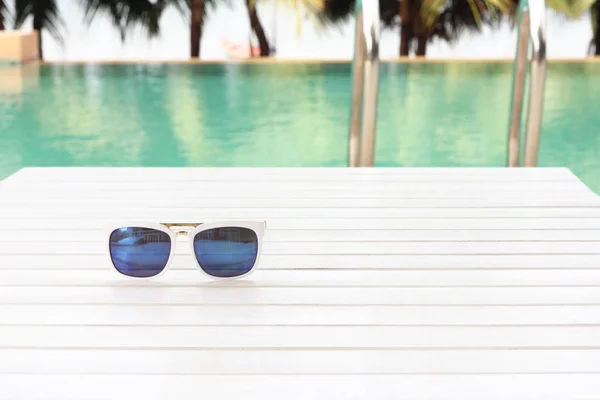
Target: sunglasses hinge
[(181, 225), (181, 228)]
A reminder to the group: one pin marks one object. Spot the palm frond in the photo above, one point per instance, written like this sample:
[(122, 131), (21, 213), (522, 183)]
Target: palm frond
[(180, 5), (4, 15), (448, 20), (23, 9), (469, 13), (311, 9), (145, 14), (184, 6), (593, 14), (44, 11), (52, 22), (430, 11), (570, 8), (127, 14), (337, 12)]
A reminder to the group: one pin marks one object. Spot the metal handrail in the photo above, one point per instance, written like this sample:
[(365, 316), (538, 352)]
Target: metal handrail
[(365, 78), (532, 22)]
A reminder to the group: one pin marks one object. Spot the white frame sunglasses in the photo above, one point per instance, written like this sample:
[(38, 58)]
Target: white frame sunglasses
[(190, 230)]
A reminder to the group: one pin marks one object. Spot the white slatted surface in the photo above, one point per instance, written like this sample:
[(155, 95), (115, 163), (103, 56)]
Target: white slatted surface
[(374, 284)]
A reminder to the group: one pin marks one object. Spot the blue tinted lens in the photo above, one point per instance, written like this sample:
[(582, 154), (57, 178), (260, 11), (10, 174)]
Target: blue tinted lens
[(139, 252), (226, 252)]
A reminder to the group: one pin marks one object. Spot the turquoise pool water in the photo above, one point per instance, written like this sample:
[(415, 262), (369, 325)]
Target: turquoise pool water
[(446, 114)]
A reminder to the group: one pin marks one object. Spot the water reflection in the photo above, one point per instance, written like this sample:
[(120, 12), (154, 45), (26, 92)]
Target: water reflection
[(286, 115), (16, 79), (569, 136)]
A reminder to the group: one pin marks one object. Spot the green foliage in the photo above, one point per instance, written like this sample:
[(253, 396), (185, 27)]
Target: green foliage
[(313, 9), (480, 10), (570, 8), (448, 20)]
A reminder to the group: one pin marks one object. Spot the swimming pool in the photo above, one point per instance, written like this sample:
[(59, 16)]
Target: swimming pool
[(430, 114)]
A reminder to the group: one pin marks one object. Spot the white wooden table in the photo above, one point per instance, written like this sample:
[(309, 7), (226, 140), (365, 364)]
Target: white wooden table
[(374, 284)]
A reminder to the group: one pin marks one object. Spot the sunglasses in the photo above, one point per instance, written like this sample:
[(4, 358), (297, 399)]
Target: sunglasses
[(221, 249)]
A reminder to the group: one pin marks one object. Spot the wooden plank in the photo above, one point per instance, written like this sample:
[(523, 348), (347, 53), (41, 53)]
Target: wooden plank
[(129, 201), (22, 221), (285, 338), (335, 248), (301, 387), (312, 189), (349, 235), (325, 261), (568, 194), (422, 316), (116, 174), (231, 295), (248, 186), (318, 278), (494, 273), (198, 214), (298, 362)]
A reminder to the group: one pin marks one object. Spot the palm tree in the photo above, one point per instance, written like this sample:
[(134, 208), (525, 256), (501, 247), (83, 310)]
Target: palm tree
[(424, 20), (408, 8), (257, 28), (414, 24), (198, 13), (126, 14), (45, 18), (447, 19), (414, 18), (146, 13), (313, 9)]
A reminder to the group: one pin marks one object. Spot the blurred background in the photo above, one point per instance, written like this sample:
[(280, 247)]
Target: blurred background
[(111, 83), (93, 30)]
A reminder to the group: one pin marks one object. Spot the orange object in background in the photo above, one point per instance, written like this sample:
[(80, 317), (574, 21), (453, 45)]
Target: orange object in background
[(239, 50), (19, 46)]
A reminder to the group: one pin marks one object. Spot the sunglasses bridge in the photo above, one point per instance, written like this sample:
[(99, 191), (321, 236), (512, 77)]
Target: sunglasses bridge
[(181, 228)]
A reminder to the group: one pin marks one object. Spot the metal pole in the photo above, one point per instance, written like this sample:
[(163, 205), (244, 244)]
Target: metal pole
[(518, 87), (371, 33), (365, 84), (358, 68), (532, 22), (538, 79)]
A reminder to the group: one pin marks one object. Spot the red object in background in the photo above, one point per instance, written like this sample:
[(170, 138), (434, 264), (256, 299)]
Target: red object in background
[(239, 50)]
